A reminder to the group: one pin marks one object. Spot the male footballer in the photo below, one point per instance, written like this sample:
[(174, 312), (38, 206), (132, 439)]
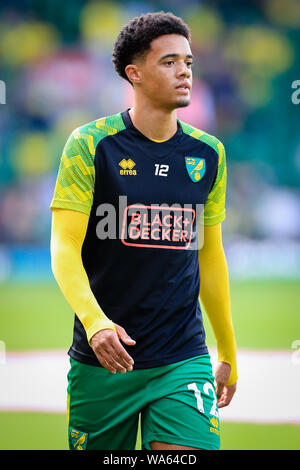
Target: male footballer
[(125, 220)]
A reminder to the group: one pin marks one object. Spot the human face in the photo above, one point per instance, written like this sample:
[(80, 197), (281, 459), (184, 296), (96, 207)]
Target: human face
[(165, 75)]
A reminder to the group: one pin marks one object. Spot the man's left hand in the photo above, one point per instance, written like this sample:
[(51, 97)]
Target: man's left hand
[(224, 392)]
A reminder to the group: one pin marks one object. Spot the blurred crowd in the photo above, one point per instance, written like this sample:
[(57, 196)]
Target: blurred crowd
[(55, 59)]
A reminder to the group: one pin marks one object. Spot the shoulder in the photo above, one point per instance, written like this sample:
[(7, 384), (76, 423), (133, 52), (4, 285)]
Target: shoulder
[(203, 136), (93, 132)]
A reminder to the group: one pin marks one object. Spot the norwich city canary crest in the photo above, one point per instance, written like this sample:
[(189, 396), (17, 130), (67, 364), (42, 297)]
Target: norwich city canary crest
[(78, 439), (195, 168)]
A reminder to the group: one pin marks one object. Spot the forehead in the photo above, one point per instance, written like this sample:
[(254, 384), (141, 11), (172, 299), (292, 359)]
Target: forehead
[(169, 44)]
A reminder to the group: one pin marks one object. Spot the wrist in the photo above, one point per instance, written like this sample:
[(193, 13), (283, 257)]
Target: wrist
[(230, 358), (98, 325)]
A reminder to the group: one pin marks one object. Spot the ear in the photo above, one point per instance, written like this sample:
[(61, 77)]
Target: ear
[(133, 74)]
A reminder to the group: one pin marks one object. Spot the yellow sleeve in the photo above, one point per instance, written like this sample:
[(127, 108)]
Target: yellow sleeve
[(215, 296), (67, 236)]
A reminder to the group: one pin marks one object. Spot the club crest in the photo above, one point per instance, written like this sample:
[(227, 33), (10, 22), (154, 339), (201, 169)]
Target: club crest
[(78, 439), (195, 168)]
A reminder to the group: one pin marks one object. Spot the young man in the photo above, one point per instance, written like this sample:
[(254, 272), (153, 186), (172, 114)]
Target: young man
[(125, 215)]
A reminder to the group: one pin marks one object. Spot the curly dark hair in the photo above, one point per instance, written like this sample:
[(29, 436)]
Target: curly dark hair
[(134, 39)]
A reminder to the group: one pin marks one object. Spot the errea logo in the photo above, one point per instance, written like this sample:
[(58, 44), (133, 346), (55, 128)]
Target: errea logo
[(127, 167)]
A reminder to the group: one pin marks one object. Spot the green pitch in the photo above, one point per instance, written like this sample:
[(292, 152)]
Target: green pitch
[(265, 315), (36, 316), (41, 431)]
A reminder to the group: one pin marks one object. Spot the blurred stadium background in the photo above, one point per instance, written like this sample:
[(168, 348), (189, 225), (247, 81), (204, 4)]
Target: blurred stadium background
[(55, 61)]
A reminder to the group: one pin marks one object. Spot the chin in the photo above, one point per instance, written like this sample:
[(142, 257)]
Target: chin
[(183, 103)]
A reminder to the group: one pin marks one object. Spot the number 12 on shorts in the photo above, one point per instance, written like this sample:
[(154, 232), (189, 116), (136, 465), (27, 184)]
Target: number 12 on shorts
[(206, 389)]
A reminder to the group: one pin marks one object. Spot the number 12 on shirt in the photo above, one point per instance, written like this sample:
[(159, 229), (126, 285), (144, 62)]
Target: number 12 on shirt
[(161, 170), (206, 388)]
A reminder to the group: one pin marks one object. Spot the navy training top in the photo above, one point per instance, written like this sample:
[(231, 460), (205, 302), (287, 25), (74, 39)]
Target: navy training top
[(145, 202)]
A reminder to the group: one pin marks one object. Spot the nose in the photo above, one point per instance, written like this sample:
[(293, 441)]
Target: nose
[(183, 70)]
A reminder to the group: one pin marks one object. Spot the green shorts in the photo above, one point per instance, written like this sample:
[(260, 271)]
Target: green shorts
[(176, 403)]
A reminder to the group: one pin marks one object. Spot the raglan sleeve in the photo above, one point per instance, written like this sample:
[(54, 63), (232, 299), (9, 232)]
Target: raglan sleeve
[(214, 209), (74, 188)]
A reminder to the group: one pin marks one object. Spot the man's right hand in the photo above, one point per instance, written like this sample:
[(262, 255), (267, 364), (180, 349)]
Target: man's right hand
[(109, 350)]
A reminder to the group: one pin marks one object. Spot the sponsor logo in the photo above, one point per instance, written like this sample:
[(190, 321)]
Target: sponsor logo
[(215, 424), (127, 167), (158, 226), (195, 168), (152, 225)]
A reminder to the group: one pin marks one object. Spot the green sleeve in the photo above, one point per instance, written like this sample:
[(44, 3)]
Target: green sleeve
[(214, 209), (74, 187)]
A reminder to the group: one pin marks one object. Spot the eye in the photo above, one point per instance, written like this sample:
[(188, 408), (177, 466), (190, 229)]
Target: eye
[(169, 62), (189, 63)]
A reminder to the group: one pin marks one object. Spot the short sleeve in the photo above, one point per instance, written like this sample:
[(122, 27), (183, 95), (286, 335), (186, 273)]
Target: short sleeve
[(75, 182), (214, 209)]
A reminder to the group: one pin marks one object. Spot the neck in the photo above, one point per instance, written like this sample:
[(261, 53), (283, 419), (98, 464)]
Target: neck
[(154, 123)]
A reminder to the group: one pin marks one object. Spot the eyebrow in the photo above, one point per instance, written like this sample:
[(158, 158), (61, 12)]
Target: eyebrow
[(189, 56)]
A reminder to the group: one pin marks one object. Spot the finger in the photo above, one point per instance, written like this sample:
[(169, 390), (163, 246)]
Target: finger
[(219, 388), (124, 336), (121, 355), (124, 361), (118, 357), (111, 352), (223, 402), (129, 341), (225, 398), (114, 361), (109, 367), (105, 364), (125, 358), (108, 358), (114, 364)]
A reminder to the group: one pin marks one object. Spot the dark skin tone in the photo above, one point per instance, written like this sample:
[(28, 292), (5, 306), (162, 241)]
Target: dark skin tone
[(162, 81)]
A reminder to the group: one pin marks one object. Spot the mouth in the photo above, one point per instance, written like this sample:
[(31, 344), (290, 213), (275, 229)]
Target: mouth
[(185, 89)]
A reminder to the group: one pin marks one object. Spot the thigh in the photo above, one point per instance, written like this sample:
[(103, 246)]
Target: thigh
[(103, 408), (184, 410)]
